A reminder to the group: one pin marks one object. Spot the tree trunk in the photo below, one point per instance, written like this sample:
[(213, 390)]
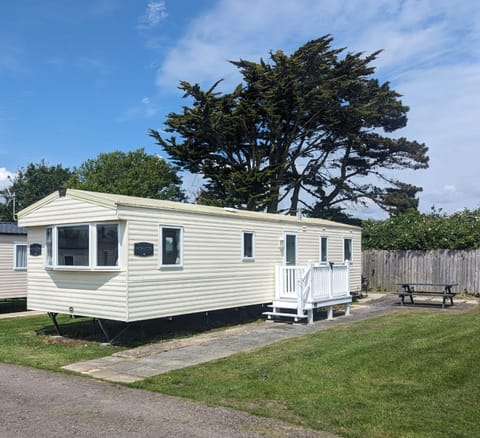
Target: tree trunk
[(292, 211), (274, 194)]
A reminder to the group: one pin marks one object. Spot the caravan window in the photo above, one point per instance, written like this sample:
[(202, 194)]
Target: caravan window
[(20, 257), (73, 246), (323, 249), (248, 246), (171, 246), (49, 246), (82, 246), (347, 250), (107, 245)]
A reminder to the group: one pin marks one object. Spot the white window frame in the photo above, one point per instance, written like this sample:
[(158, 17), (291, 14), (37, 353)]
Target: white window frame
[(161, 265), (244, 257), (345, 239), (92, 248), (16, 267), (285, 234)]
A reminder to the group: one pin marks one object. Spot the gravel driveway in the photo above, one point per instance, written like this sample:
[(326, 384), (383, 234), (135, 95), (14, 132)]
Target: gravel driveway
[(37, 403)]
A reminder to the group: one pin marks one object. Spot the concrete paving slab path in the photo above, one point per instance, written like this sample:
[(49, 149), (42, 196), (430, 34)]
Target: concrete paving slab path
[(139, 363)]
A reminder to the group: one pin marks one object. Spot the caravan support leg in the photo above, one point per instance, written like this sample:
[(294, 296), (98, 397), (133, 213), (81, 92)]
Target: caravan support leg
[(53, 317), (107, 336), (104, 331)]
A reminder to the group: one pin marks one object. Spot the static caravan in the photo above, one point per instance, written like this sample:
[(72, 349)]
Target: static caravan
[(13, 261), (128, 259)]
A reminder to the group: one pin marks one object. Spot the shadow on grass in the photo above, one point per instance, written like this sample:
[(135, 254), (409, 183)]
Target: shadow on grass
[(139, 333)]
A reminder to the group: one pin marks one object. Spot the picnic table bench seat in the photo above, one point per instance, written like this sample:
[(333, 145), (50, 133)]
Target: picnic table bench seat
[(409, 290)]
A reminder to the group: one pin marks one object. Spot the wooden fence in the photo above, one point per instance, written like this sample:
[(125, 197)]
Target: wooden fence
[(384, 269)]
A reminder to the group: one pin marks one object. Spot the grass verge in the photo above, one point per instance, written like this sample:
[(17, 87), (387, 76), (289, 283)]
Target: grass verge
[(398, 375)]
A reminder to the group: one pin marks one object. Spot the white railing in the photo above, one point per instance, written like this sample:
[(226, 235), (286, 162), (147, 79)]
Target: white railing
[(312, 283)]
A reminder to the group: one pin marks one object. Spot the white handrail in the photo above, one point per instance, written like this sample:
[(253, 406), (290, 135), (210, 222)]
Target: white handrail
[(311, 283)]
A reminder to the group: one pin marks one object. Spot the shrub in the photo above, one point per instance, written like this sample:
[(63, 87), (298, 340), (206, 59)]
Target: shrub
[(416, 231)]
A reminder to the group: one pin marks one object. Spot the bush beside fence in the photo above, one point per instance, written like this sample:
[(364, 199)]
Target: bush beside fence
[(383, 269)]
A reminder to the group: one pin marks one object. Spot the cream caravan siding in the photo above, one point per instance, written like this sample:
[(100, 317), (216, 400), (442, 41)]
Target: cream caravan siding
[(13, 283), (213, 275), (67, 211), (84, 293)]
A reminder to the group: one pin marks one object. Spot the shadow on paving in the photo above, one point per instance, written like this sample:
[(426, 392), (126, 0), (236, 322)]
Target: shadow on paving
[(134, 334)]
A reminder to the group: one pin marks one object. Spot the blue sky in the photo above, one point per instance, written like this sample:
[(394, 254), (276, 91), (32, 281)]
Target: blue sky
[(82, 77)]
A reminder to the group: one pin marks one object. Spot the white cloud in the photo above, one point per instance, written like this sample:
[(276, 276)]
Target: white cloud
[(415, 32), (154, 14), (93, 64), (104, 7), (444, 114), (4, 177), (144, 111), (11, 56)]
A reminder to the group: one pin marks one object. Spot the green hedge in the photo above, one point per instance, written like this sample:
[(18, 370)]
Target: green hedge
[(415, 231)]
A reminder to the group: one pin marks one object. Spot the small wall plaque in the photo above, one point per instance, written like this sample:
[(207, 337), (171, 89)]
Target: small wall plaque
[(35, 249), (143, 249)]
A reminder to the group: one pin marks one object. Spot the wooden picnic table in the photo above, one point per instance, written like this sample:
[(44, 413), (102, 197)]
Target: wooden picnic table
[(439, 289)]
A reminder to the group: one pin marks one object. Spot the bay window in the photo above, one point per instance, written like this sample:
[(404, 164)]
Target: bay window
[(82, 246)]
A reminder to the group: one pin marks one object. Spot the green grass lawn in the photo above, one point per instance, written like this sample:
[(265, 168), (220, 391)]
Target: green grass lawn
[(404, 374), (398, 375), (28, 341)]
